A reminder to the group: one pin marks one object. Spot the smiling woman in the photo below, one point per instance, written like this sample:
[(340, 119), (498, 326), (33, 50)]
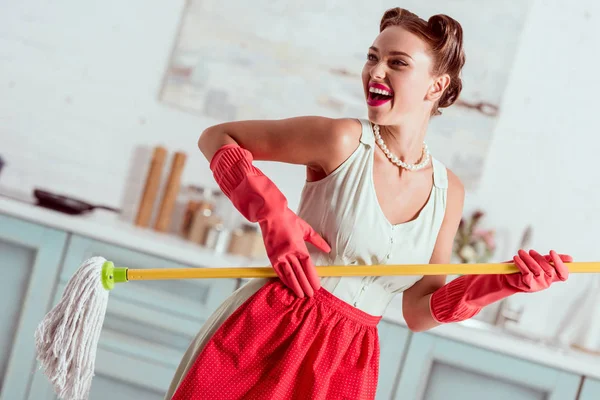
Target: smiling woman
[(373, 195), (440, 39)]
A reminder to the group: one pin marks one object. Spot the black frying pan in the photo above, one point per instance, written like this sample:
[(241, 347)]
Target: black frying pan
[(65, 204)]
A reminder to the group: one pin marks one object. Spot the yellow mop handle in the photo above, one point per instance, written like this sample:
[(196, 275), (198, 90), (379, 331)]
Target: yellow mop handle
[(344, 270)]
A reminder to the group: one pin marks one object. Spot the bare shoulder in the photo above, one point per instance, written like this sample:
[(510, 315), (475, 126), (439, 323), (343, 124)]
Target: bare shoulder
[(346, 131), (455, 185), (456, 195), (346, 126), (442, 252), (338, 131), (343, 138)]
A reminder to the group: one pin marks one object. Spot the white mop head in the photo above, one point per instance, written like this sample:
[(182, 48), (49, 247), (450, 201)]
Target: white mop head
[(67, 338)]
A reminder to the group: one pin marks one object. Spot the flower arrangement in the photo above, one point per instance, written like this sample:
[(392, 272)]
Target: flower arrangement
[(473, 244)]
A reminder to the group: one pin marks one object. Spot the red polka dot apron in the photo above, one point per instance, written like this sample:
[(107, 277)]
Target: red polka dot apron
[(279, 346)]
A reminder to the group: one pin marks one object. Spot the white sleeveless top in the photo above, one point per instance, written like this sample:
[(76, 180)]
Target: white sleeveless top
[(344, 209)]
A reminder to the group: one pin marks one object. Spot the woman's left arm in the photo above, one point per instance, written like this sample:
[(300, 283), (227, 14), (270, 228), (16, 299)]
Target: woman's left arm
[(415, 300)]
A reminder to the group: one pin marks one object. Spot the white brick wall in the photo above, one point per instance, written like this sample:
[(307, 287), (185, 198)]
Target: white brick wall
[(79, 83), (78, 105)]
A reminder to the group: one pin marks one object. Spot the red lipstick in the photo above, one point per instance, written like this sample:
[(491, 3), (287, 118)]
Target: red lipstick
[(378, 99)]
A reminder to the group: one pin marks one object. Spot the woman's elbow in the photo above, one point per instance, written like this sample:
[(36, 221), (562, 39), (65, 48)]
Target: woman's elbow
[(419, 322), (206, 137), (212, 139), (416, 326)]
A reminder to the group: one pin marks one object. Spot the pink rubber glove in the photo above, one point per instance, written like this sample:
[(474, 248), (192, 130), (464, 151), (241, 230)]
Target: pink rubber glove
[(465, 296), (258, 199)]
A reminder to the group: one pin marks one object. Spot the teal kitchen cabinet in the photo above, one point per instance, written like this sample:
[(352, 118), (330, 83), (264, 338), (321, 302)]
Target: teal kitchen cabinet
[(439, 369), (30, 258), (590, 389), (393, 339)]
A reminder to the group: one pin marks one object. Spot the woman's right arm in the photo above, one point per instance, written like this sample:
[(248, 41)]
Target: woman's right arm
[(318, 142)]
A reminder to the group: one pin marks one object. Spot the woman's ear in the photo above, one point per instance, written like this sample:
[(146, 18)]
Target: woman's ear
[(437, 88)]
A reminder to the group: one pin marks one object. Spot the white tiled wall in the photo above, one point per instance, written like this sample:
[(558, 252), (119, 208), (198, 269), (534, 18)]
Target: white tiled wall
[(79, 83)]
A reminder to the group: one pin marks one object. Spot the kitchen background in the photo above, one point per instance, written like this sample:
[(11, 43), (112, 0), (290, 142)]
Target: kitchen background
[(91, 89)]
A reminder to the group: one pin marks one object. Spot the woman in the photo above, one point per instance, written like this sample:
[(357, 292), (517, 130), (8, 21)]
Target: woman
[(373, 195)]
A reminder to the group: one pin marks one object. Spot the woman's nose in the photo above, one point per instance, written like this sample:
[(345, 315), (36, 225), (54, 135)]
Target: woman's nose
[(378, 71)]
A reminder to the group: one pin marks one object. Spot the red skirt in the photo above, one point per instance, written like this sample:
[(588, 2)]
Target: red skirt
[(279, 346)]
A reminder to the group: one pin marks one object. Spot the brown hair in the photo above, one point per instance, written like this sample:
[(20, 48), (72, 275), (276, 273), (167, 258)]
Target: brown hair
[(444, 36)]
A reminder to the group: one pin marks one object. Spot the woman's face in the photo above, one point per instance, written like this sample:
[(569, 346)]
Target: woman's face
[(396, 77)]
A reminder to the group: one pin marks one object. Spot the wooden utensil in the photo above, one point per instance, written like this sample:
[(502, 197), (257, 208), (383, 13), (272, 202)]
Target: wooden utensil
[(170, 193), (151, 187)]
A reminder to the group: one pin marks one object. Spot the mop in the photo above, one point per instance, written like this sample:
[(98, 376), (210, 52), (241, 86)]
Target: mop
[(67, 338)]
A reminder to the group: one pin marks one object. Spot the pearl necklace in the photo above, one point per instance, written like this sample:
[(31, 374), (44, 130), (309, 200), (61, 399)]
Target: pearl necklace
[(393, 158)]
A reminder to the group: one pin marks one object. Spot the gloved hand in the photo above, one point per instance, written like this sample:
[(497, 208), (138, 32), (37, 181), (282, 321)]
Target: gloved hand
[(465, 296), (258, 199), (536, 271)]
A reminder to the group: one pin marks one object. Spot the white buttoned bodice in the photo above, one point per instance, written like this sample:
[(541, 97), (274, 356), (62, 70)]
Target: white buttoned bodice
[(343, 208)]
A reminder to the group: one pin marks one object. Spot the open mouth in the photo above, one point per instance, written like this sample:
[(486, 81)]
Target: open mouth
[(379, 94)]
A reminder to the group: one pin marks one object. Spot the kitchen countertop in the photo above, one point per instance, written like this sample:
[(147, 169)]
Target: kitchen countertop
[(107, 227), (514, 344)]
